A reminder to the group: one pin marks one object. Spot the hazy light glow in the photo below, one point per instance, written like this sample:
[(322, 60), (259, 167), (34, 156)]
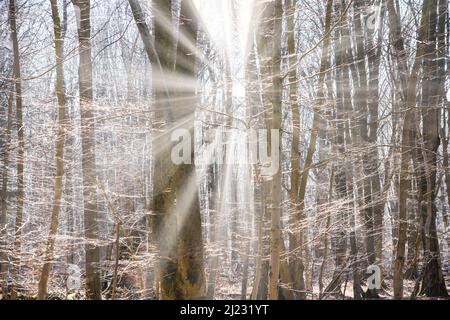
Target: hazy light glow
[(217, 18), (228, 26)]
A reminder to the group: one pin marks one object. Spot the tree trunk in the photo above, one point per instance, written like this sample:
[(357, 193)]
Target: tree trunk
[(408, 98), (370, 182), (296, 263), (91, 228), (431, 281), (177, 220), (378, 198), (275, 192), (59, 156), (4, 198), (20, 152), (339, 236), (319, 103)]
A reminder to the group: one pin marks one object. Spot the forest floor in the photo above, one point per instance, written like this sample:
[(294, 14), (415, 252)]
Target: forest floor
[(227, 289)]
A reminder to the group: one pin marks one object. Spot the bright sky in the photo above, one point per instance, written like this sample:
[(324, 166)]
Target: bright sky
[(216, 16)]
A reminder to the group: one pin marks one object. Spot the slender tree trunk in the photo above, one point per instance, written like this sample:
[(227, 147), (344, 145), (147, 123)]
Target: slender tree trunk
[(408, 86), (325, 240), (371, 185), (4, 200), (265, 50), (275, 192), (378, 198), (319, 103), (413, 238), (59, 156), (339, 236), (20, 152), (259, 290), (91, 228), (248, 242), (216, 232), (349, 130), (296, 263), (116, 260)]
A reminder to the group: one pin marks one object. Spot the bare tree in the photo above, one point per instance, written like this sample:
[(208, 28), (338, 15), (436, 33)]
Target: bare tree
[(59, 155), (91, 228), (21, 150)]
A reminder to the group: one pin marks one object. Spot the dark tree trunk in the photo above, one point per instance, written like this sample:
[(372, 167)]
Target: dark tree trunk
[(20, 152), (431, 281), (4, 200), (176, 217), (91, 216)]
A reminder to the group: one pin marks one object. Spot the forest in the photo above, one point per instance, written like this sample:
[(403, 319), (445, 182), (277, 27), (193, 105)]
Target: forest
[(224, 149)]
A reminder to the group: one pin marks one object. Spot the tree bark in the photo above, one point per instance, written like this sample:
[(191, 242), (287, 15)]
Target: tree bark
[(319, 102), (91, 228), (4, 200), (20, 152), (431, 281), (275, 192), (59, 154), (408, 96), (296, 263), (177, 229)]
